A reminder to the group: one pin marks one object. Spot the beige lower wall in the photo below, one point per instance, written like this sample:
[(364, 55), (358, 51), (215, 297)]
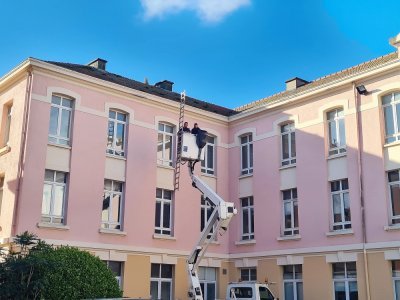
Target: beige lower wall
[(380, 277), (317, 278), (136, 281)]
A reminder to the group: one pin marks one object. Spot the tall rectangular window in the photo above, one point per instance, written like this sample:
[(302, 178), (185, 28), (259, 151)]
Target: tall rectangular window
[(345, 281), (165, 144), (116, 138), (206, 211), (246, 146), (7, 115), (396, 278), (111, 215), (163, 217), (60, 120), (207, 165), (337, 133), (54, 197), (288, 144), (248, 274), (293, 282), (116, 268), (340, 204), (208, 282), (161, 281), (290, 212), (1, 191), (247, 218), (394, 191), (391, 112)]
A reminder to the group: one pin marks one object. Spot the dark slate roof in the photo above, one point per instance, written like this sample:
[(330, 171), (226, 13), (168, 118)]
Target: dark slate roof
[(147, 88), (320, 82)]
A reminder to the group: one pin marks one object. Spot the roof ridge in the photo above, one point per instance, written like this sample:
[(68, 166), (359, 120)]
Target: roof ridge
[(319, 81)]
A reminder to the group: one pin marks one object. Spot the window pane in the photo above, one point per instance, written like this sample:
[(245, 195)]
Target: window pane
[(296, 214), (110, 137), (342, 133), (333, 135), (49, 175), (389, 121), (160, 146), (245, 163), (115, 267), (115, 208), (338, 270), (58, 201), (288, 215), (293, 144), (353, 290), (167, 214), (253, 274), (337, 208), (158, 214), (397, 289), (331, 115), (107, 184), (285, 146), (53, 121), (106, 206), (65, 122), (166, 271), (251, 156), (210, 157), (288, 272), (210, 291), (299, 287), (346, 200), (251, 220), (121, 117), (167, 194), (287, 194), (398, 116), (289, 294), (387, 99), (119, 145), (60, 177), (351, 269), (117, 186), (46, 199), (169, 129), (393, 176), (155, 270), (395, 198), (112, 114), (340, 291), (165, 290), (154, 290), (298, 269), (67, 103), (246, 221), (168, 147), (243, 139), (56, 100)]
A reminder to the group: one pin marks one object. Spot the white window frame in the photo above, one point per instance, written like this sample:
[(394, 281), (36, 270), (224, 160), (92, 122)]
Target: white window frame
[(292, 201), (336, 120), (112, 148), (163, 201), (294, 281), (160, 280), (291, 160), (206, 282), (393, 104), (346, 280), (249, 209), (344, 225), (249, 273), (205, 169), (395, 278), (53, 184), (165, 161), (7, 125), (246, 148), (57, 138), (108, 224), (394, 219)]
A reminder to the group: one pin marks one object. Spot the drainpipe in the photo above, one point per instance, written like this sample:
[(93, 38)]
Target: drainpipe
[(361, 190), (28, 96)]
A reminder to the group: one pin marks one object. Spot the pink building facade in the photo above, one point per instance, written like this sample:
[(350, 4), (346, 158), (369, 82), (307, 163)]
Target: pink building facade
[(88, 159)]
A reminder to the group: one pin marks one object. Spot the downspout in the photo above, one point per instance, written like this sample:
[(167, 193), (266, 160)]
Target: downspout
[(361, 190), (28, 96)]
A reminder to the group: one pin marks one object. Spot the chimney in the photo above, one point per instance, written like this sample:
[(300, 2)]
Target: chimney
[(98, 63), (395, 42), (295, 83), (165, 84)]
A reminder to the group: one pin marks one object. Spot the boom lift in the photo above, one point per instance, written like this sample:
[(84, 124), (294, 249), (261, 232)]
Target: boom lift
[(192, 152)]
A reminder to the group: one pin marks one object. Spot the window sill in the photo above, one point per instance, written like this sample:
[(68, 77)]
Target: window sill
[(289, 238), (392, 227), (116, 156), (245, 175), (396, 143), (340, 232), (165, 167), (52, 226), (5, 150), (163, 237), (336, 156), (287, 167), (59, 146), (112, 231), (208, 175), (246, 242)]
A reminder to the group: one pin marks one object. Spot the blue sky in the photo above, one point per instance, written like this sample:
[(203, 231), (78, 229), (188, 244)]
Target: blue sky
[(228, 52)]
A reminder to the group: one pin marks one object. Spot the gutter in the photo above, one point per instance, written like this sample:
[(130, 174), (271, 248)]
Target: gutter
[(27, 102)]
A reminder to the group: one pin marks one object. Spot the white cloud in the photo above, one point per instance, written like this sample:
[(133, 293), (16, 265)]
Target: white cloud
[(210, 11)]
